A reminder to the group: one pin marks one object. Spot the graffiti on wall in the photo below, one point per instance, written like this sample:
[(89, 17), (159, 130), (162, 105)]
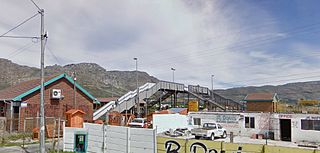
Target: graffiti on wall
[(172, 146), (313, 117), (227, 118)]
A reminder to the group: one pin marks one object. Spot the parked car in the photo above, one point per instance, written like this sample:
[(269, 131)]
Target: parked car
[(209, 130), (138, 123)]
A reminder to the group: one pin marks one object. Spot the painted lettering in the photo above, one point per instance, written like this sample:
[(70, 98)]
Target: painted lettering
[(172, 146)]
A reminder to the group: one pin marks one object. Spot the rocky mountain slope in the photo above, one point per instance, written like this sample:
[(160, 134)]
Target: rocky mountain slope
[(290, 92), (94, 78), (103, 83)]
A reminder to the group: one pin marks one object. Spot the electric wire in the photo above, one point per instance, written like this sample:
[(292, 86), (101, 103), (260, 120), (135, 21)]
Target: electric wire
[(35, 5), (20, 24)]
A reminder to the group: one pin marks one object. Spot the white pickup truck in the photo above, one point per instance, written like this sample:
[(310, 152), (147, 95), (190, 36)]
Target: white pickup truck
[(209, 130)]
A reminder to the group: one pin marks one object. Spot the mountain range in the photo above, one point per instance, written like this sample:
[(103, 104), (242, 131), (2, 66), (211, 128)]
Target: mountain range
[(102, 83)]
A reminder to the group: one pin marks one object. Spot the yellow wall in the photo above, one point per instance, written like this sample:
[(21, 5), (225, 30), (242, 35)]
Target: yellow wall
[(173, 145)]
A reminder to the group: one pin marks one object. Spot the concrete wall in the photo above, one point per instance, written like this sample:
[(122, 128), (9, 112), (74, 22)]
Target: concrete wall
[(113, 139), (95, 137), (134, 140), (174, 145), (68, 137)]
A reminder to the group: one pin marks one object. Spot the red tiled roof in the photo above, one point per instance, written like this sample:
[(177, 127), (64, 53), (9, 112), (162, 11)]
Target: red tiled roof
[(108, 99), (16, 90), (260, 96)]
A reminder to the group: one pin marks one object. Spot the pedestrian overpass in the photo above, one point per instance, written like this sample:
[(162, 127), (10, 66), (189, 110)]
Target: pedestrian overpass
[(155, 93)]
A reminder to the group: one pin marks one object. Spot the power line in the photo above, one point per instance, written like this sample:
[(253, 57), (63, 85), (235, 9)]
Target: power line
[(23, 22), (28, 37), (35, 5), (20, 50), (54, 56)]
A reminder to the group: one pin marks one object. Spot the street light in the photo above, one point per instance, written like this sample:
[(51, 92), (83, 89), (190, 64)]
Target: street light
[(173, 69), (137, 85), (212, 83), (74, 90)]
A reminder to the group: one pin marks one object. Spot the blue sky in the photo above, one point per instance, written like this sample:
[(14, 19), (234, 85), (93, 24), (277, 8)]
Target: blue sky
[(242, 43)]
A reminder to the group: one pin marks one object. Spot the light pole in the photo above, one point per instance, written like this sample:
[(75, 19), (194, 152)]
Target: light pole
[(173, 69), (212, 84), (74, 90), (137, 85), (211, 89), (174, 98)]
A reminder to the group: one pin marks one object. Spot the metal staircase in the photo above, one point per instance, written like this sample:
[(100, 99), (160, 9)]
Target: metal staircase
[(127, 101)]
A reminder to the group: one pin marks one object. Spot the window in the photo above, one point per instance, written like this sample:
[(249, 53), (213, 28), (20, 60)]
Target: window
[(310, 125), (196, 121), (249, 122), (209, 125), (219, 126)]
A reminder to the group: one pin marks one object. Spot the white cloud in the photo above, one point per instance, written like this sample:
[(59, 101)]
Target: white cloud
[(198, 38)]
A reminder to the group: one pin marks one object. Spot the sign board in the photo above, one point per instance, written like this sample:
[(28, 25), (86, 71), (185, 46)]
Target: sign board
[(193, 106), (24, 104)]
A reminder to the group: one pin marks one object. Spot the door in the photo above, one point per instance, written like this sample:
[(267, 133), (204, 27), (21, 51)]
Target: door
[(285, 129), (220, 131)]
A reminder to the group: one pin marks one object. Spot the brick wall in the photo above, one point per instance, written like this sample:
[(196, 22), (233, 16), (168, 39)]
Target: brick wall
[(57, 108), (260, 106)]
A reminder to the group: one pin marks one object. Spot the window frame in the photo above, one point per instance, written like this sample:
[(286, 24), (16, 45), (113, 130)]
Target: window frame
[(249, 122), (313, 125)]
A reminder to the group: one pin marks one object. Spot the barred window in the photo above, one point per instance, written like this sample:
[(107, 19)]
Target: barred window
[(310, 125)]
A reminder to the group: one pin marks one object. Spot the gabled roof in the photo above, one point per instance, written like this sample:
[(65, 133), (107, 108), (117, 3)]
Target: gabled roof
[(263, 97), (73, 111), (21, 90)]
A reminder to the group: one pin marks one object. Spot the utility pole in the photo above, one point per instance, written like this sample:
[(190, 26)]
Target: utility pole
[(138, 100), (74, 90), (42, 117)]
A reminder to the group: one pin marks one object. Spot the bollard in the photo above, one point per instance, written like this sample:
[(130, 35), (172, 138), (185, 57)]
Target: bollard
[(231, 137)]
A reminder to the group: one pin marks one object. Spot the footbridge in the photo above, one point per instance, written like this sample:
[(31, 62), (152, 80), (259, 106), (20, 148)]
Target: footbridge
[(155, 93)]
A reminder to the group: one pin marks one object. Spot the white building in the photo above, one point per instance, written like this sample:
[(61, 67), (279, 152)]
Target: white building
[(285, 127)]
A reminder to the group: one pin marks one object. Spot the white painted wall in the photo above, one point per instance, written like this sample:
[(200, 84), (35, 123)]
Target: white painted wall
[(68, 137), (264, 122), (113, 139), (298, 134), (164, 122), (95, 137)]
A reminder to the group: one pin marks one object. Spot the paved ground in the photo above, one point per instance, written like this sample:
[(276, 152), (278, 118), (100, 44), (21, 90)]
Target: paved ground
[(33, 148)]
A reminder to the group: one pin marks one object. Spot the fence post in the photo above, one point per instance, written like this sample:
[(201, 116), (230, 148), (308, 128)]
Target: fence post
[(53, 133), (155, 139), (64, 132), (24, 131), (58, 143), (128, 139)]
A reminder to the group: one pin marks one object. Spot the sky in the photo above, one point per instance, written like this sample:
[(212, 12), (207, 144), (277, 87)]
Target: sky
[(241, 43)]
